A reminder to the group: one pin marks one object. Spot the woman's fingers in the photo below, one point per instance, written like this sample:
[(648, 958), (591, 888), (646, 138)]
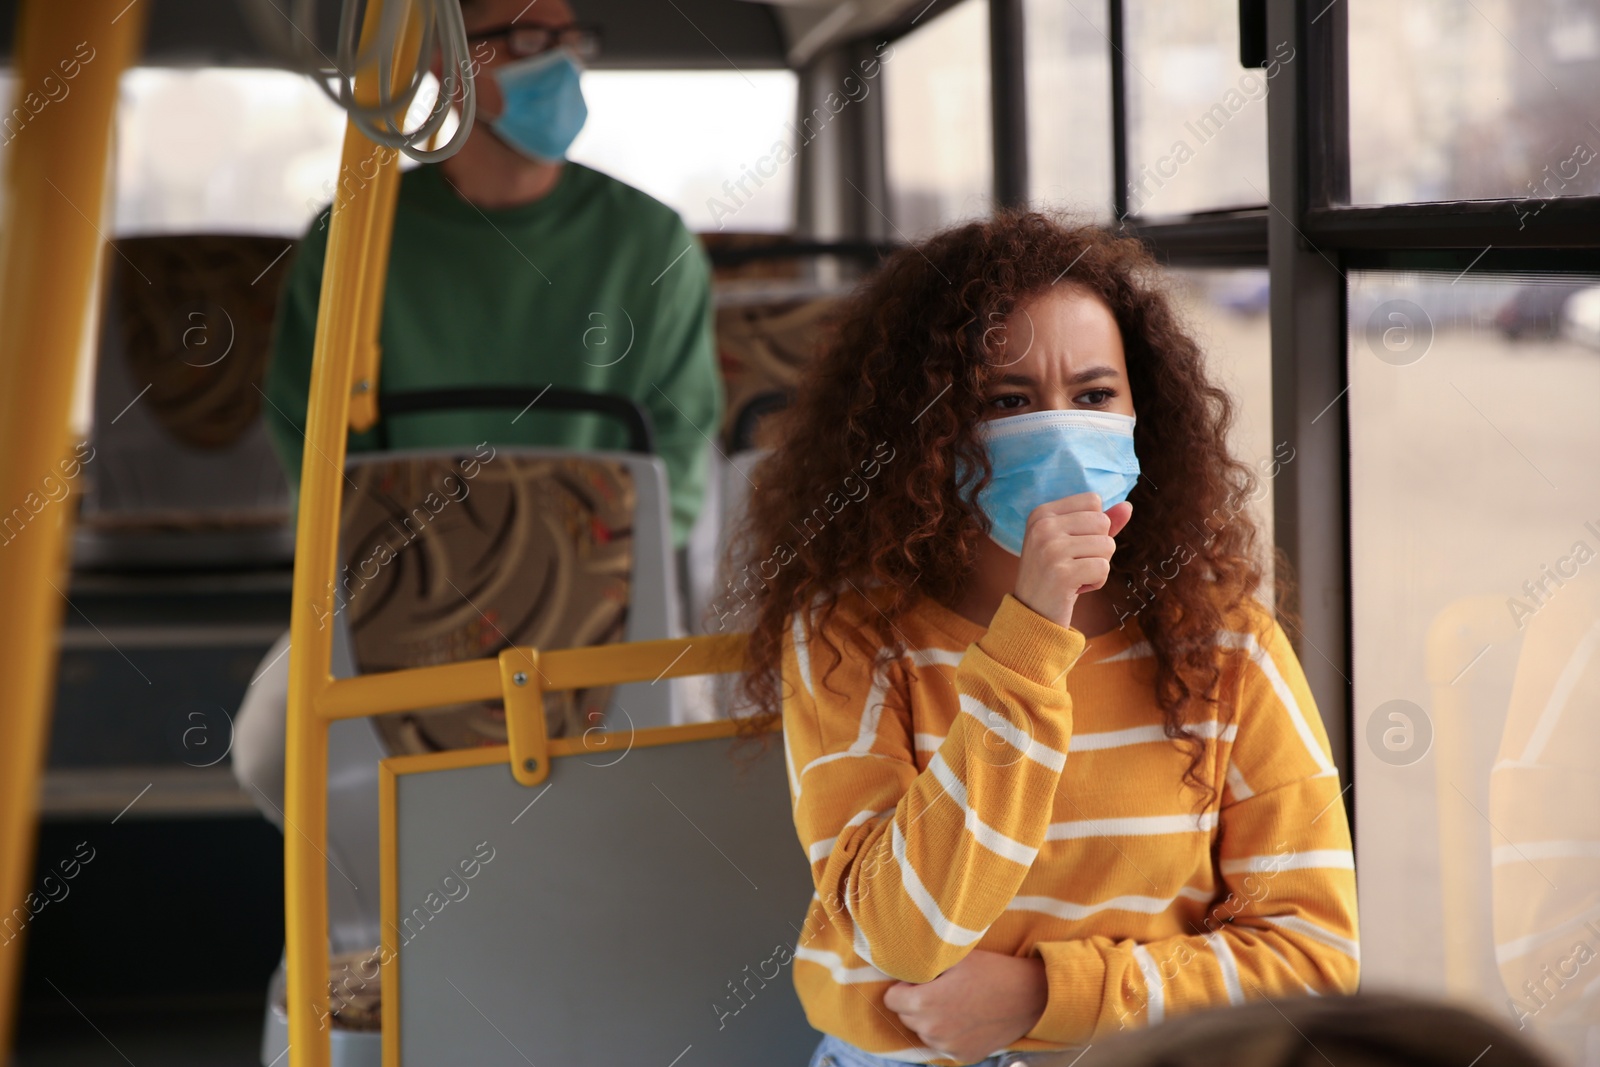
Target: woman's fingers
[(1119, 515), (897, 998), (1066, 551), (1076, 504)]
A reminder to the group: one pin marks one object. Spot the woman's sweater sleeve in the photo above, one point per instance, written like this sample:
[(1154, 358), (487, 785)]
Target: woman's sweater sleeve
[(1285, 920), (916, 866)]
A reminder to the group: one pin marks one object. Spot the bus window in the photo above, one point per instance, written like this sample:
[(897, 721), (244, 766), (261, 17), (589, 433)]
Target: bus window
[(1069, 106), (1475, 597), (936, 122), (1454, 101), (702, 142), (1197, 121), (219, 150), (1227, 309)]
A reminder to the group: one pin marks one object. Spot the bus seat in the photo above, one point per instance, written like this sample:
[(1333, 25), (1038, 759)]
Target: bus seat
[(182, 473), (763, 345), (1468, 717), (446, 555), (775, 298), (648, 905)]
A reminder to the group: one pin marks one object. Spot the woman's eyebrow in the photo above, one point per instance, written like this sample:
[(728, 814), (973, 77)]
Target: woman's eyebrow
[(1089, 374)]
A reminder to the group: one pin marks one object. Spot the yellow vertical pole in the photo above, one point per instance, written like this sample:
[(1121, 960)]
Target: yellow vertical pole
[(50, 249), (369, 357), (347, 324)]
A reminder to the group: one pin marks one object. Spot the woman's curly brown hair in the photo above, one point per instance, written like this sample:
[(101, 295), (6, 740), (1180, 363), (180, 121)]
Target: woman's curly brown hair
[(903, 376)]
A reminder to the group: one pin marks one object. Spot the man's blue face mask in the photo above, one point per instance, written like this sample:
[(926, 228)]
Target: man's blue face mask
[(544, 108), (1046, 455)]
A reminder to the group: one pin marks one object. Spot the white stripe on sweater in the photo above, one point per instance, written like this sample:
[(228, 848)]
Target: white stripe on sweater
[(1275, 679), (1139, 650), (1155, 992), (871, 712), (1072, 912), (788, 763), (1341, 859), (986, 835), (1136, 826), (802, 656), (835, 964), (820, 850), (1295, 924), (998, 724), (941, 657), (1143, 735), (947, 931), (1229, 966)]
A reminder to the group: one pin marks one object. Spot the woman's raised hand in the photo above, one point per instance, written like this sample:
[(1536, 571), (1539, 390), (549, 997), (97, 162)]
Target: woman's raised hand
[(1066, 551)]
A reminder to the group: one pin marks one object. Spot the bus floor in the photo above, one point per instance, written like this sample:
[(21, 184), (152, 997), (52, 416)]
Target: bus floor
[(225, 1033), (159, 944)]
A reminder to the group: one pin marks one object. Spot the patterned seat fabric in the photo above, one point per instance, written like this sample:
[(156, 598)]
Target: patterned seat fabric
[(763, 348), (452, 558), (196, 321), (180, 445), (770, 318)]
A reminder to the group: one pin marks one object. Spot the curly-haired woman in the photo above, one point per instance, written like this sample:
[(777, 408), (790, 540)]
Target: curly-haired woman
[(1056, 769)]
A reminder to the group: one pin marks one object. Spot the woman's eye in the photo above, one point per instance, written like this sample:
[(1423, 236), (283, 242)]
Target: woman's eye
[(1095, 397), (1009, 401)]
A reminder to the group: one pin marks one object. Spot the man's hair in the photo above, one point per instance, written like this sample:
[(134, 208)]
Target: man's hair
[(468, 5)]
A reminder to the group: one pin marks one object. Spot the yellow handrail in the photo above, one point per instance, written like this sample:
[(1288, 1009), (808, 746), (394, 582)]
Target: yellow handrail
[(347, 320), (571, 668), (50, 254)]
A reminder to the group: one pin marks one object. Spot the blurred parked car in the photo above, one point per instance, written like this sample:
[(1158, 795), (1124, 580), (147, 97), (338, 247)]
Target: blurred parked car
[(1244, 292), (1534, 312), (1580, 321)]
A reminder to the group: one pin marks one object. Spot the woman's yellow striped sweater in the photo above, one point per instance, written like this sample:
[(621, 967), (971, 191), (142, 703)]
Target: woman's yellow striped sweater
[(1011, 790)]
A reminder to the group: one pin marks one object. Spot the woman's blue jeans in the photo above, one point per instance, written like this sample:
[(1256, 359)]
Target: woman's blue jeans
[(833, 1052)]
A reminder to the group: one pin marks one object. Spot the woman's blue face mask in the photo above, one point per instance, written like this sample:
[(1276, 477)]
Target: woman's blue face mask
[(544, 108), (1046, 455)]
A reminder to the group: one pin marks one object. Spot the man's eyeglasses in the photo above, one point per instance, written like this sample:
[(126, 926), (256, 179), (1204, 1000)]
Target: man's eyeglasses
[(524, 41)]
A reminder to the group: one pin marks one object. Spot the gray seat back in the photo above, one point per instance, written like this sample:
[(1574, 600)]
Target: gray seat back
[(642, 903), (182, 473)]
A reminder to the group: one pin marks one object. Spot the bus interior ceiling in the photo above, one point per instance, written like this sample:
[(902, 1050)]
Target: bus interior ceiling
[(639, 34)]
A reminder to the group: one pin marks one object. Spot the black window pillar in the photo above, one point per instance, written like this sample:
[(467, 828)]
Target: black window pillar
[(1008, 96), (1310, 409)]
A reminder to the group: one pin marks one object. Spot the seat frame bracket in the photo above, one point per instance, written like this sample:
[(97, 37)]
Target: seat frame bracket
[(526, 732)]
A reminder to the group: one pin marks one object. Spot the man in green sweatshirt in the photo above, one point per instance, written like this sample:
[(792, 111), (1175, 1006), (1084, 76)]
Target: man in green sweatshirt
[(508, 266), (512, 266)]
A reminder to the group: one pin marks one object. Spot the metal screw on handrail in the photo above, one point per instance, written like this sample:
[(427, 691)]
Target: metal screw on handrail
[(520, 678)]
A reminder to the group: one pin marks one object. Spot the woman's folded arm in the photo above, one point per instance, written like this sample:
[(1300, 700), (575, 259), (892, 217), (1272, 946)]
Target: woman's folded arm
[(916, 866), (1286, 926), (1285, 921)]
